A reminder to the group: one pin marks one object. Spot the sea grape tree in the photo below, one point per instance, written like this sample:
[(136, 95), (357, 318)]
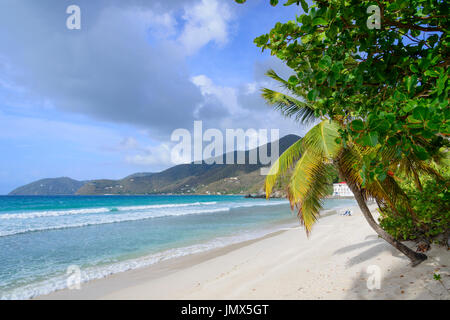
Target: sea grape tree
[(387, 85)]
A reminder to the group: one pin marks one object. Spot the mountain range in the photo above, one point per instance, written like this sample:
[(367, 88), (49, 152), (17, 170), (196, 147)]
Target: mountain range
[(181, 179)]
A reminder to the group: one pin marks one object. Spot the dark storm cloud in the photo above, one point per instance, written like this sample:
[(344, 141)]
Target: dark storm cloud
[(109, 69)]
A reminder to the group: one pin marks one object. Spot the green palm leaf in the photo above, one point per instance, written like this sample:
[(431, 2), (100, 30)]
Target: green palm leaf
[(289, 106), (298, 90), (321, 139), (282, 165), (308, 186)]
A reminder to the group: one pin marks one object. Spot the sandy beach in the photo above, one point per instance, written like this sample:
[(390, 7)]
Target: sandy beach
[(338, 260)]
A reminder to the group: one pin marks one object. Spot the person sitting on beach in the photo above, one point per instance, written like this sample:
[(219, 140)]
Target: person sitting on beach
[(346, 213)]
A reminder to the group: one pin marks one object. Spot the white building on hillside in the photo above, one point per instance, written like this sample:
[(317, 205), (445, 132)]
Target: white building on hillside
[(341, 189)]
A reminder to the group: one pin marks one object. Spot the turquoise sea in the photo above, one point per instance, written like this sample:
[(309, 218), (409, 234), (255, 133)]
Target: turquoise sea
[(40, 237)]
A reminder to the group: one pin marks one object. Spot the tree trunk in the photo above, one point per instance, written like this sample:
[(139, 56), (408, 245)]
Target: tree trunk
[(415, 257)]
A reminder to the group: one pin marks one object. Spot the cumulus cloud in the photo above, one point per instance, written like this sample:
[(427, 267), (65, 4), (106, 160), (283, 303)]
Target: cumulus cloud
[(128, 143), (245, 105), (205, 21), (149, 156), (218, 102)]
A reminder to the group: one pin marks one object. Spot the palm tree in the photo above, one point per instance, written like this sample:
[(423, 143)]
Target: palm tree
[(307, 162)]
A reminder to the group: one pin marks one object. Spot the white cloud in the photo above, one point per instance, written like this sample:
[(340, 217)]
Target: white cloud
[(246, 108), (205, 22), (155, 156), (129, 143), (226, 96)]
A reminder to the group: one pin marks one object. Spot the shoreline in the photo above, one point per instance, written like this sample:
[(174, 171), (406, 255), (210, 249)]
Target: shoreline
[(331, 264), (172, 264), (147, 273)]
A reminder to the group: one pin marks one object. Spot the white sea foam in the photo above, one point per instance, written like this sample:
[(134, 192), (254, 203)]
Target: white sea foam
[(33, 221), (112, 218), (56, 213), (98, 272), (40, 214), (161, 206)]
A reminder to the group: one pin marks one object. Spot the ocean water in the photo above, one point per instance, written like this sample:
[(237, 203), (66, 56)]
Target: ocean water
[(40, 237)]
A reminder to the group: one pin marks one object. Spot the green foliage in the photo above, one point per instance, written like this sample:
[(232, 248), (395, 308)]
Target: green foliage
[(308, 163), (387, 87), (431, 207), (385, 91)]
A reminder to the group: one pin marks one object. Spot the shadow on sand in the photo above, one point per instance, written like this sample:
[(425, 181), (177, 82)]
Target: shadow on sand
[(376, 247), (401, 281)]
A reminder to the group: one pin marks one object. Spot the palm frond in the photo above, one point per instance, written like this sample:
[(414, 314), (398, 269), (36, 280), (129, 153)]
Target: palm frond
[(413, 168), (311, 176), (272, 74), (349, 163), (298, 90), (387, 191), (321, 139), (283, 164), (289, 106), (307, 187)]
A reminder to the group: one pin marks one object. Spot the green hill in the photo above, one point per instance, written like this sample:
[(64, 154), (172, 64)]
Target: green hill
[(51, 187), (181, 179)]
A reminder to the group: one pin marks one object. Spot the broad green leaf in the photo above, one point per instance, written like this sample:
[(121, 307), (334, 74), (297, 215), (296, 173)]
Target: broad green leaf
[(312, 95), (357, 125), (290, 2), (304, 5), (293, 80), (420, 113), (370, 139), (410, 83), (306, 20), (319, 21), (413, 68), (325, 62), (420, 152), (441, 83)]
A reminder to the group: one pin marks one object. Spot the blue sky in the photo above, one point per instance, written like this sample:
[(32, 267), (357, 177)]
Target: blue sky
[(101, 102)]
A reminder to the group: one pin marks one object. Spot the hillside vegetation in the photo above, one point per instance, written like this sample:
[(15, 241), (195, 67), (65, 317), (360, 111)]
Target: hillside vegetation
[(181, 179)]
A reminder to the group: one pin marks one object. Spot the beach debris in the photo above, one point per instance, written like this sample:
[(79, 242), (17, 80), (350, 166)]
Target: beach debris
[(423, 246)]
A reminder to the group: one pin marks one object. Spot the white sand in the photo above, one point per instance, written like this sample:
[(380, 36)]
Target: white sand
[(331, 264)]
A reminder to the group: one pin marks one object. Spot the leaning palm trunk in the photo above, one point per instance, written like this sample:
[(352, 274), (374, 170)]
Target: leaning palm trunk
[(415, 257)]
